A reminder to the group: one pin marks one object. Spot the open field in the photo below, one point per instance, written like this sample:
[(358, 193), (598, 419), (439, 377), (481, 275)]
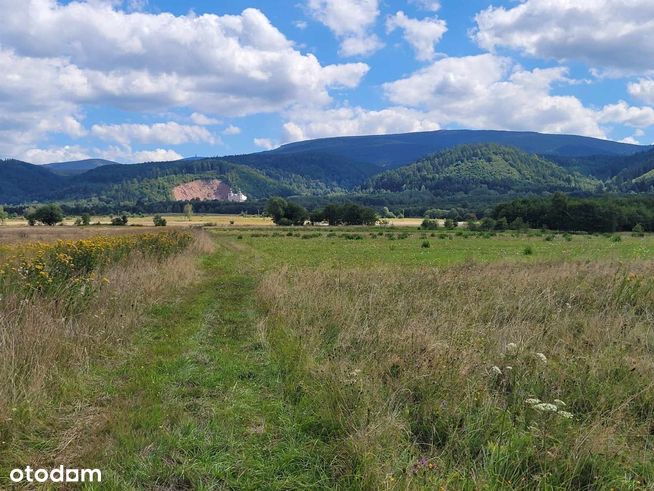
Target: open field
[(358, 358)]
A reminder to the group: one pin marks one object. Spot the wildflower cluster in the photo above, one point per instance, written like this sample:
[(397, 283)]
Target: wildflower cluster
[(546, 407), (45, 267)]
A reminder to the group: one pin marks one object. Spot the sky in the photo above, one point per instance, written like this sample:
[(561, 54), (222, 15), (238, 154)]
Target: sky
[(152, 80)]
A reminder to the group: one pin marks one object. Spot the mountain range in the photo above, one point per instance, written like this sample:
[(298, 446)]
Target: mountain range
[(432, 164)]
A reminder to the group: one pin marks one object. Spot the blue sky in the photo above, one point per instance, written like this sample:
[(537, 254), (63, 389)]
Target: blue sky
[(141, 80)]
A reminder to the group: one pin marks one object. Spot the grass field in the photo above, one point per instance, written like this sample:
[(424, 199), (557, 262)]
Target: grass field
[(377, 358)]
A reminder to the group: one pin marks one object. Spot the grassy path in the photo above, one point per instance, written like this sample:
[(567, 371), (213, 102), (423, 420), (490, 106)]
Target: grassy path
[(199, 405)]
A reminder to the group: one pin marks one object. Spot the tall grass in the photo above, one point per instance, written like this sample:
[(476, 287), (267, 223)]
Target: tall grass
[(500, 376), (47, 335)]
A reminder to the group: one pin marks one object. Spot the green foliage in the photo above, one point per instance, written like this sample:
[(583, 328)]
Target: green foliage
[(159, 221), (562, 212), (638, 230), (286, 213), (428, 224), (346, 214), (3, 215), (47, 215), (188, 211), (119, 221), (470, 167)]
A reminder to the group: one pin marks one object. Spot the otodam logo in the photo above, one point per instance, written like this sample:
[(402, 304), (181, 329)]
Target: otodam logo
[(57, 475)]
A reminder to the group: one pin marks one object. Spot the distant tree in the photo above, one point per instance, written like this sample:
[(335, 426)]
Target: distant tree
[(159, 221), (188, 211), (450, 223), (638, 230), (3, 215), (519, 224), (286, 213), (487, 224), (47, 215), (501, 224), (386, 213), (428, 224), (119, 221)]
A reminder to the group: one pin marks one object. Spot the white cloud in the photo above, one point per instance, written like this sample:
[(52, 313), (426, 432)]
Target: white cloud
[(58, 57), (491, 92), (158, 155), (301, 24), (610, 34), (265, 143), (170, 133), (432, 5), (423, 34), (622, 113), (630, 140), (308, 124), (232, 130), (203, 120), (643, 90), (351, 22), (51, 155)]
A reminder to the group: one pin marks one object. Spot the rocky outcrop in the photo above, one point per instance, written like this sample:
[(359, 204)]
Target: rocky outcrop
[(207, 189)]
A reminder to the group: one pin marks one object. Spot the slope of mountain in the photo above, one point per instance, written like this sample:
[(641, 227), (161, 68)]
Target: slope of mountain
[(21, 182), (77, 166), (467, 168), (637, 172), (397, 150)]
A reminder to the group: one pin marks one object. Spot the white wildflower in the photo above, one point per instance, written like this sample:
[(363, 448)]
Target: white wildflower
[(532, 401), (541, 357), (566, 414), (508, 369), (496, 371), (511, 348), (559, 403), (546, 407)]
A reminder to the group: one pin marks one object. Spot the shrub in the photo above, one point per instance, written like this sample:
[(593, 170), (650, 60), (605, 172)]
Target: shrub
[(638, 230), (528, 250), (47, 215), (159, 221), (425, 244), (428, 224), (119, 221)]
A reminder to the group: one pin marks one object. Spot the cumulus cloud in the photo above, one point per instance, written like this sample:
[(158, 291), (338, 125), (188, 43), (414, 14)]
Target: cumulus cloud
[(608, 34), (265, 143), (158, 155), (489, 91), (170, 133), (622, 113), (351, 22), (55, 154), (59, 57), (203, 120), (432, 5), (308, 124), (422, 35), (232, 130), (643, 90)]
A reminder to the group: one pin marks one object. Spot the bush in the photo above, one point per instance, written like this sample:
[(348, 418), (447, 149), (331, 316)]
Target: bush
[(119, 221), (425, 244), (528, 250), (638, 230), (286, 213), (159, 221), (428, 224), (450, 223), (48, 215)]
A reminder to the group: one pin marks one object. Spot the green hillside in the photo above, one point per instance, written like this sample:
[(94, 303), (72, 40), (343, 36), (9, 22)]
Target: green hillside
[(467, 168)]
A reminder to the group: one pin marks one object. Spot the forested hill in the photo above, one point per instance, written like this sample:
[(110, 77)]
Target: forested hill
[(467, 168), (397, 150)]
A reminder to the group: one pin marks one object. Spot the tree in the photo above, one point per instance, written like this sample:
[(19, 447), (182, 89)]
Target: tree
[(119, 221), (3, 215), (286, 213), (188, 211), (159, 221), (47, 215)]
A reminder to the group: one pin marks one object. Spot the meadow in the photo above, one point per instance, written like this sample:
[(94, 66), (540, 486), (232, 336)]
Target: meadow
[(255, 357)]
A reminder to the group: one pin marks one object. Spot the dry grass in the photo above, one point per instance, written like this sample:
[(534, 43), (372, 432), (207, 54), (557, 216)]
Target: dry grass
[(25, 235), (393, 366), (46, 338)]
